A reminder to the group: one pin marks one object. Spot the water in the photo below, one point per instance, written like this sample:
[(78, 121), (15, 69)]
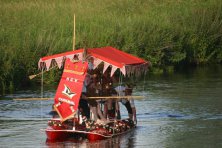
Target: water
[(180, 110)]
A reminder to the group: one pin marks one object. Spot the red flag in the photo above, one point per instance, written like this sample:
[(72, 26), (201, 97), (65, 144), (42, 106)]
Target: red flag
[(70, 89)]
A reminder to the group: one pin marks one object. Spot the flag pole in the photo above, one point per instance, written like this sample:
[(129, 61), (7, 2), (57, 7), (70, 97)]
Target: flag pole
[(74, 32)]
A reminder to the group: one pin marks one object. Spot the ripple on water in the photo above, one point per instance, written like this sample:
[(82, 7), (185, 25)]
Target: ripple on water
[(182, 110)]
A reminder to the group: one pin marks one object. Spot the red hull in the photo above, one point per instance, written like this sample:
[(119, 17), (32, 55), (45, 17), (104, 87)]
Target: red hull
[(57, 135), (61, 132), (95, 137)]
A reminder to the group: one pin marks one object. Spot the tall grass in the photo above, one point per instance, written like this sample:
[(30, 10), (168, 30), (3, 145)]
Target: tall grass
[(166, 32)]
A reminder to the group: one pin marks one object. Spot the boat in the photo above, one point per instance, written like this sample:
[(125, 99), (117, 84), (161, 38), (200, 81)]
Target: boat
[(76, 65)]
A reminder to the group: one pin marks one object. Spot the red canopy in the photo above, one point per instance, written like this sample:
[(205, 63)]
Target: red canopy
[(110, 56), (115, 57)]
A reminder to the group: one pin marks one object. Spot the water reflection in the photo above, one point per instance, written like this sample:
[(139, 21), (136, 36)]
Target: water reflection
[(126, 140)]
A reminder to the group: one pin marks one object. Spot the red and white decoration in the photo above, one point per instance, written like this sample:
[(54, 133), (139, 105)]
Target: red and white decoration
[(70, 88), (109, 56)]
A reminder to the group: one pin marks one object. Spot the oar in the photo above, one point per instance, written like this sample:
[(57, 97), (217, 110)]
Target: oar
[(100, 97), (32, 99), (33, 76), (117, 97)]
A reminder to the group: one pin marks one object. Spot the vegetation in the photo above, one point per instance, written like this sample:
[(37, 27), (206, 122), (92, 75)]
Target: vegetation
[(165, 32)]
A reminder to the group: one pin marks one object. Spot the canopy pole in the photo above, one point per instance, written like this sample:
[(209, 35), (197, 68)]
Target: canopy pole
[(84, 55), (74, 32), (144, 80), (42, 90), (42, 84)]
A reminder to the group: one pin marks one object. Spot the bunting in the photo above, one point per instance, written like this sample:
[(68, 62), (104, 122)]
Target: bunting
[(123, 70), (114, 68), (128, 64), (96, 63), (106, 65), (59, 61), (48, 63)]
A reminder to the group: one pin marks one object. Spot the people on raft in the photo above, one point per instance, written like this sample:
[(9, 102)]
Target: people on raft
[(113, 105), (128, 103), (128, 92), (107, 90), (83, 103), (91, 88), (93, 91), (97, 85)]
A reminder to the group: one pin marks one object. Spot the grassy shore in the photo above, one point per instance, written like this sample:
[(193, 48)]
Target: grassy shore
[(165, 32)]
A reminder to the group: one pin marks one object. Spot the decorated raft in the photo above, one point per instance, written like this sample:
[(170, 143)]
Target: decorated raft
[(66, 101)]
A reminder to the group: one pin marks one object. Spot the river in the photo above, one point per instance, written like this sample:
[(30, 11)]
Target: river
[(180, 110)]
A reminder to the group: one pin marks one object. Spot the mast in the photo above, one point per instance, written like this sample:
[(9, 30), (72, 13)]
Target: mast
[(74, 32)]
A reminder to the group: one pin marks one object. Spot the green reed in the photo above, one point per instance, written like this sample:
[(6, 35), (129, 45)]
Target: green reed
[(165, 32)]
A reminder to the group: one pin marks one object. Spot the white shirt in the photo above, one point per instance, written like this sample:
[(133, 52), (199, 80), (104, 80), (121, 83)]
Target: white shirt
[(121, 92), (85, 83)]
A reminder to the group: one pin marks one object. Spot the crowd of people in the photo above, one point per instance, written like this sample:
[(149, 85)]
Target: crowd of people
[(98, 84), (108, 108)]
